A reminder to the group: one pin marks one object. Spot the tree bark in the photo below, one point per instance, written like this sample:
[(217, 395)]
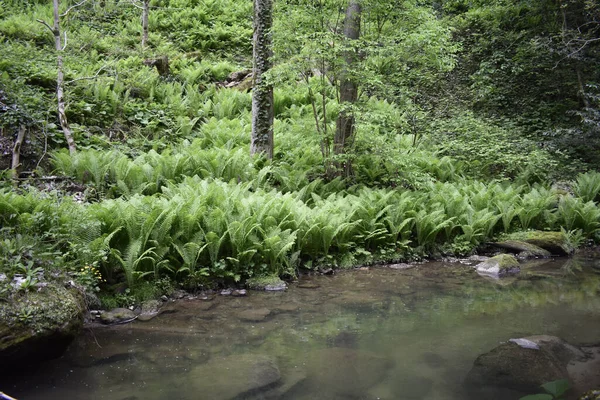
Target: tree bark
[(16, 152), (262, 93), (145, 13), (60, 93), (348, 88)]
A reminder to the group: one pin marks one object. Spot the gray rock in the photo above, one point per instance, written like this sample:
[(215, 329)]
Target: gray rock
[(554, 242), (345, 372), (268, 283), (400, 266), (499, 266), (234, 377), (276, 287), (39, 326), (150, 309), (524, 249), (117, 316), (524, 364), (254, 315)]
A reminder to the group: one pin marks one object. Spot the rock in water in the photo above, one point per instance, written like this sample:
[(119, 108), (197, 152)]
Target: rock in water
[(234, 377), (116, 316), (39, 325), (524, 364), (525, 250), (555, 242), (346, 372), (499, 266), (254, 315), (150, 309)]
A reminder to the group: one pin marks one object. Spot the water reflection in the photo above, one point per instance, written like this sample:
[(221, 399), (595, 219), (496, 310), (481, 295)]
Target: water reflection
[(365, 334)]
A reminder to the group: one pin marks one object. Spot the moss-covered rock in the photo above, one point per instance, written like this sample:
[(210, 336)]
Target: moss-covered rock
[(555, 242), (524, 364), (268, 283), (39, 325), (523, 249), (117, 316), (499, 266)]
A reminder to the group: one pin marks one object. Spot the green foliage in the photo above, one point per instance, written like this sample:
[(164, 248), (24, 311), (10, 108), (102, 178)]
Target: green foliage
[(440, 163), (554, 390)]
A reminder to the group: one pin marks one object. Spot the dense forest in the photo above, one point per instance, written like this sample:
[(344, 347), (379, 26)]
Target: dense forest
[(402, 130)]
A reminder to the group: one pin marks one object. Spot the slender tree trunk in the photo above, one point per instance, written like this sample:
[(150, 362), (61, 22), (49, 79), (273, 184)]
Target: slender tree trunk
[(145, 13), (16, 152), (348, 88), (60, 93), (262, 93)]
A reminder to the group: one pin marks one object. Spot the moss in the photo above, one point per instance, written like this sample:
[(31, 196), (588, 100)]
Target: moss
[(555, 242), (52, 308), (262, 282)]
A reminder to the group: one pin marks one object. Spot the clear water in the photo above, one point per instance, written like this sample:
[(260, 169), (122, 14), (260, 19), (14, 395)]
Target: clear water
[(379, 333)]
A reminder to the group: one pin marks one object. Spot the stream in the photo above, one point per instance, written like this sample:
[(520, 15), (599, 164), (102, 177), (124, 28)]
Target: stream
[(373, 333)]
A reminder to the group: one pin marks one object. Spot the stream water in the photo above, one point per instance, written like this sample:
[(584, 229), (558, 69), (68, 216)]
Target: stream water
[(377, 333)]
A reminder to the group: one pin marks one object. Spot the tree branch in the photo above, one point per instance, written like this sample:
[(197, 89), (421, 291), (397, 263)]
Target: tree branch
[(72, 7), (41, 21), (65, 45), (86, 78)]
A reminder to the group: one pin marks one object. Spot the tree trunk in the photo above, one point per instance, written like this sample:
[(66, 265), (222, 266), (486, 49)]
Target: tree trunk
[(60, 96), (262, 93), (145, 13), (16, 152), (348, 88)]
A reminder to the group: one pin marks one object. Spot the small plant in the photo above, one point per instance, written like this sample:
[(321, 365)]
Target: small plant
[(25, 315), (555, 390), (89, 277)]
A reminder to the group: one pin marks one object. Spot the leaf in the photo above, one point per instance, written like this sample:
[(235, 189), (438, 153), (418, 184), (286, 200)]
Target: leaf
[(541, 396), (557, 388)]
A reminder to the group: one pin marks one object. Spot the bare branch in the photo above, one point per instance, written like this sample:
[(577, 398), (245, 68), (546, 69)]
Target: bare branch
[(65, 45), (72, 7), (133, 3), (87, 78), (41, 21)]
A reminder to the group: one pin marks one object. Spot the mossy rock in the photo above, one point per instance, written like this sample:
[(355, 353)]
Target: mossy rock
[(555, 242), (39, 325), (499, 266), (524, 249), (268, 283)]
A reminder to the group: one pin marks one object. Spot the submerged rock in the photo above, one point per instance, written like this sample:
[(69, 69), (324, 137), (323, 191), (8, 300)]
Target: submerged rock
[(499, 266), (39, 325), (345, 372), (117, 316), (524, 364), (254, 315), (234, 377)]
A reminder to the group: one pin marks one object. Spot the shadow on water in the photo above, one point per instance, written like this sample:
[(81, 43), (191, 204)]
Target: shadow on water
[(364, 334)]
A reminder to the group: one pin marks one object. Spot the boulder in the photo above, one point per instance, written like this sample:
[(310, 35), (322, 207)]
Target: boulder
[(234, 377), (555, 242), (268, 283), (345, 372), (499, 266), (117, 316), (523, 365), (39, 325), (150, 309), (524, 249), (254, 315)]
